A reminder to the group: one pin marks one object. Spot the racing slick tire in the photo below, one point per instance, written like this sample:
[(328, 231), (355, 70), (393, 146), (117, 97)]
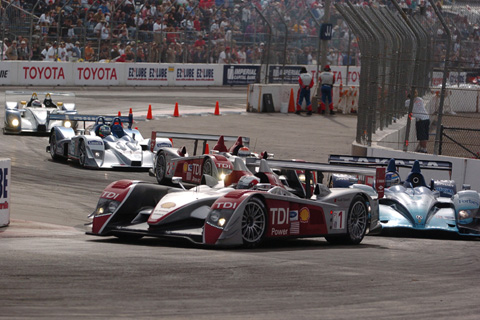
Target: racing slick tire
[(53, 147), (208, 166), (82, 154), (254, 222), (160, 168), (357, 221)]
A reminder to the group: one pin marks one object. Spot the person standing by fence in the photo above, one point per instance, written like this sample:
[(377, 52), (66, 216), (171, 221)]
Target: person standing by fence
[(327, 80), (305, 80), (422, 123)]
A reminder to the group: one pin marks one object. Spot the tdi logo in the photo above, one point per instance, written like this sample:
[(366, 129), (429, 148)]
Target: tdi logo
[(110, 195), (280, 221)]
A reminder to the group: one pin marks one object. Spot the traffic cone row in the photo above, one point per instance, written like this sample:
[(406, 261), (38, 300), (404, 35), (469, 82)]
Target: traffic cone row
[(176, 113)]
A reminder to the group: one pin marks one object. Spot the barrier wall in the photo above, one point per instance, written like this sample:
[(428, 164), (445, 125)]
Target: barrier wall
[(5, 172), (38, 73)]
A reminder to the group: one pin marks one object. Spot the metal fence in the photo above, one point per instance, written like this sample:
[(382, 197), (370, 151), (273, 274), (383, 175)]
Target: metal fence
[(431, 48)]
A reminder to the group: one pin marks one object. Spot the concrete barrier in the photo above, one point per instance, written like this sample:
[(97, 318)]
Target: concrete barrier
[(5, 172)]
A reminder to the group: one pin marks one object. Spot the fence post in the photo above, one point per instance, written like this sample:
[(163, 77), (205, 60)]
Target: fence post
[(440, 140)]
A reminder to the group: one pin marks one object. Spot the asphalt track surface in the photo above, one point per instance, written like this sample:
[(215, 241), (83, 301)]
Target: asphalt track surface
[(50, 269)]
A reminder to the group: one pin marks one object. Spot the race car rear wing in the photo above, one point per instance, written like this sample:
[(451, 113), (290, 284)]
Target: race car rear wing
[(310, 167), (90, 118), (196, 137), (399, 163)]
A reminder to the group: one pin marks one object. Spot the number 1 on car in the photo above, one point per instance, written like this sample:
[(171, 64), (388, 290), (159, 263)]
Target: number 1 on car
[(338, 220)]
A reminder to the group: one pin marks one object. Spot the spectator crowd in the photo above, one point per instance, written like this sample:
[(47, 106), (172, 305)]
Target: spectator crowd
[(189, 31)]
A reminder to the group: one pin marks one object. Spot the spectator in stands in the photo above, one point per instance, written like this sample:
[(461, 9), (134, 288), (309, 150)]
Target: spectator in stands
[(75, 53), (52, 53), (89, 52), (225, 56), (242, 55), (12, 51), (62, 52), (24, 52)]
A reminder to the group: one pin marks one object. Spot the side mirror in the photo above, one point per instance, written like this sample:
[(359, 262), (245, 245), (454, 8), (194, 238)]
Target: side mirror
[(178, 180)]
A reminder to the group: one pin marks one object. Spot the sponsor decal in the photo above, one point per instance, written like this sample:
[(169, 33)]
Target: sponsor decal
[(240, 75), (280, 221), (168, 205), (295, 228), (194, 74), (294, 215), (4, 73), (163, 144), (338, 220), (3, 187), (225, 205), (185, 167), (44, 73), (304, 215), (110, 195), (419, 218), (95, 143), (468, 201), (97, 73)]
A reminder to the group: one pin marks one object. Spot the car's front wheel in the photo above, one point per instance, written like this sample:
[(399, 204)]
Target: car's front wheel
[(254, 222), (357, 221), (53, 147), (82, 153)]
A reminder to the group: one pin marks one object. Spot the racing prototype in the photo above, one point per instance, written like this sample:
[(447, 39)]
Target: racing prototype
[(414, 205), (255, 208), (105, 145), (33, 116)]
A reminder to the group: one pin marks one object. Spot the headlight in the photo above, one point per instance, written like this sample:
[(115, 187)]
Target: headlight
[(219, 218), (106, 206), (464, 214), (15, 122), (222, 176), (67, 124), (301, 177)]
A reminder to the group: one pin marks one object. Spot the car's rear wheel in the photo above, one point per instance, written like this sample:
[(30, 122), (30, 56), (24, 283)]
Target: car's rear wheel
[(357, 221), (254, 222), (208, 166), (82, 153), (160, 168)]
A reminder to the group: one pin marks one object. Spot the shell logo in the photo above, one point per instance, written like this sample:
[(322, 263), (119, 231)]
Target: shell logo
[(304, 215), (168, 205)]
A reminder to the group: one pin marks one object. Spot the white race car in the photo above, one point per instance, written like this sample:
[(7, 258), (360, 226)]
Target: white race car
[(22, 116)]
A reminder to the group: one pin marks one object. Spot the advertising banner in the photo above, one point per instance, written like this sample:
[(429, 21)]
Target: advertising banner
[(6, 73), (196, 75), (240, 75), (98, 74), (146, 74), (5, 173), (44, 73)]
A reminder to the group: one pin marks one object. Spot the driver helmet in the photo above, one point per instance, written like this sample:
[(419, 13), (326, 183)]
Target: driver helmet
[(104, 131), (391, 179), (244, 152), (36, 103), (247, 182)]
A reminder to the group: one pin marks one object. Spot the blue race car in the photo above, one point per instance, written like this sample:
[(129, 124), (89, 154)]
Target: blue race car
[(414, 205)]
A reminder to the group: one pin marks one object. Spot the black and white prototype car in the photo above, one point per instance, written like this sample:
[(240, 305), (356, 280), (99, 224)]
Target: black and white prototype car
[(32, 115), (106, 144)]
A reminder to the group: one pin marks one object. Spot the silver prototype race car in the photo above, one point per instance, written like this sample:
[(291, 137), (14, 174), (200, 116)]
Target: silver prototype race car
[(22, 116), (105, 145)]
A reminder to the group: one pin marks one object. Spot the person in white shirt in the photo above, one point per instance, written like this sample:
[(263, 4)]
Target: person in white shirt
[(422, 122), (52, 53), (224, 57)]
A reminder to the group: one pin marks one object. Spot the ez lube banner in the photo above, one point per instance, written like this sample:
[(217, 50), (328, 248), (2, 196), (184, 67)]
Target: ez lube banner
[(5, 174)]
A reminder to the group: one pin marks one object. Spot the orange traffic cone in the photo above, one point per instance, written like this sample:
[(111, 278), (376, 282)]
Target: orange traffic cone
[(291, 103), (217, 110), (207, 149), (119, 113), (149, 113), (175, 112)]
